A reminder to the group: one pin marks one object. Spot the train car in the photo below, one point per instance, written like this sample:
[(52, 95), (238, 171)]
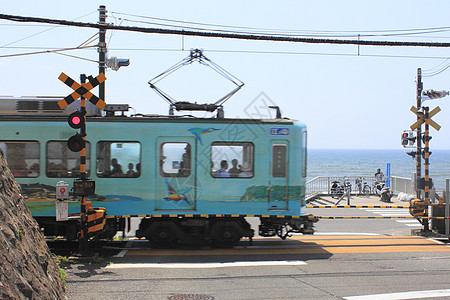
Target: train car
[(190, 180)]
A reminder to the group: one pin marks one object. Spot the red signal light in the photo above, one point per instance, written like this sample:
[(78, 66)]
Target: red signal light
[(408, 139), (405, 140), (76, 120)]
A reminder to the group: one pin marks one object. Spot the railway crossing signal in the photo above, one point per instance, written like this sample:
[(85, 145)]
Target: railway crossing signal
[(76, 142), (76, 120), (92, 219), (408, 139), (422, 117), (82, 90)]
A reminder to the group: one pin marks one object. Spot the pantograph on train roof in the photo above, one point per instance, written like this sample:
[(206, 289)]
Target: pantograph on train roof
[(196, 55)]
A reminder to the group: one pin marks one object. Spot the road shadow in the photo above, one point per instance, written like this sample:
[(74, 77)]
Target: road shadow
[(260, 249)]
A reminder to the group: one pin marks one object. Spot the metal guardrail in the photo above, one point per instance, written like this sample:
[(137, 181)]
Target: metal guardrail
[(402, 185), (322, 184)]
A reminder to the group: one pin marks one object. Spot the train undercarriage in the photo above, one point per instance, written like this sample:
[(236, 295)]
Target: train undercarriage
[(169, 232)]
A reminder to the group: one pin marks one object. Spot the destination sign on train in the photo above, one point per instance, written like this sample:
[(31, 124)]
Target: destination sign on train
[(279, 131)]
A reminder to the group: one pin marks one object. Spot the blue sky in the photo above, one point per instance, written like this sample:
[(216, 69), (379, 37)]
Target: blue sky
[(346, 100)]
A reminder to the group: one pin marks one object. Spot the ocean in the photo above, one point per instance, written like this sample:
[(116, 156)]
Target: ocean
[(346, 162)]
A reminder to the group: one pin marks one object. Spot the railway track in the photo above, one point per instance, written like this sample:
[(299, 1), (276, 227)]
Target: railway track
[(104, 248)]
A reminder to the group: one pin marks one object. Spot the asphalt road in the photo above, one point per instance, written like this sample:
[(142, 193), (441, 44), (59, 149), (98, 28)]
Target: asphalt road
[(344, 259), (320, 267)]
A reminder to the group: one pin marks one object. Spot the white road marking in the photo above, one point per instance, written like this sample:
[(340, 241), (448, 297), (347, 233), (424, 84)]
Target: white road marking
[(408, 221), (387, 210), (405, 295), (395, 215), (121, 253), (396, 212), (124, 251), (414, 225), (207, 265), (390, 211), (344, 233)]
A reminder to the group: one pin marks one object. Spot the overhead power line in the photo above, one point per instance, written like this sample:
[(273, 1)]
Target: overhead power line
[(292, 32), (233, 51), (57, 51), (224, 35)]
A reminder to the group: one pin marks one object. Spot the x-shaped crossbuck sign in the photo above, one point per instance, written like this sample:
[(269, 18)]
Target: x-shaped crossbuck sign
[(82, 90), (421, 119)]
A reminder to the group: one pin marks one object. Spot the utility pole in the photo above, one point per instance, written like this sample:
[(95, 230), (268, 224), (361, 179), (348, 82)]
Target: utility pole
[(102, 50), (419, 132)]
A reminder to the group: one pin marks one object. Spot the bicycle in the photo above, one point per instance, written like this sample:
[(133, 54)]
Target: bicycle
[(337, 189), (347, 190), (362, 186)]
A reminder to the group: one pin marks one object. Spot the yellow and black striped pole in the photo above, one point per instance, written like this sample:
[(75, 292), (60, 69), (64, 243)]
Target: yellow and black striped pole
[(426, 152), (83, 237)]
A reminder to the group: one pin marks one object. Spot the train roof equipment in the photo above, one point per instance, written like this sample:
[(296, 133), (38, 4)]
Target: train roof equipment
[(42, 106), (196, 55)]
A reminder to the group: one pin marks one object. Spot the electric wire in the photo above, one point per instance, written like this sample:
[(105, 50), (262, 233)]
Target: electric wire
[(245, 52), (284, 53), (242, 36), (388, 32), (24, 25), (431, 69), (42, 52), (113, 32), (275, 38), (89, 40), (77, 57), (40, 32), (437, 72), (292, 34)]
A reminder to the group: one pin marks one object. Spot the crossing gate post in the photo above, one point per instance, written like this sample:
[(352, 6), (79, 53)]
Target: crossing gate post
[(426, 150), (92, 219), (84, 239), (419, 131)]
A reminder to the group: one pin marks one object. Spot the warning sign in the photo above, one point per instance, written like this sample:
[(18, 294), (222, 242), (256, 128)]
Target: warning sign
[(62, 211)]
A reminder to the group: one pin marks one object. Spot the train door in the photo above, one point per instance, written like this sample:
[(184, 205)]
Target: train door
[(278, 190), (176, 174)]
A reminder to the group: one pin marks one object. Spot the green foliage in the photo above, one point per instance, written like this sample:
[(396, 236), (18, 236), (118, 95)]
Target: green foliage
[(62, 262), (63, 276)]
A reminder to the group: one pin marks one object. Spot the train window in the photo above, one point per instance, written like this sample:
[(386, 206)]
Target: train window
[(22, 157), (279, 162), (111, 156), (61, 162), (175, 159), (232, 159)]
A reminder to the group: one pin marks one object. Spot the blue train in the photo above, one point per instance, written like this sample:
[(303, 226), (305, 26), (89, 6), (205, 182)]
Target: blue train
[(189, 179)]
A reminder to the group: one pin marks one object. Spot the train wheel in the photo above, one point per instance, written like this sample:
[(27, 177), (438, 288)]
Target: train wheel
[(162, 235), (225, 234)]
